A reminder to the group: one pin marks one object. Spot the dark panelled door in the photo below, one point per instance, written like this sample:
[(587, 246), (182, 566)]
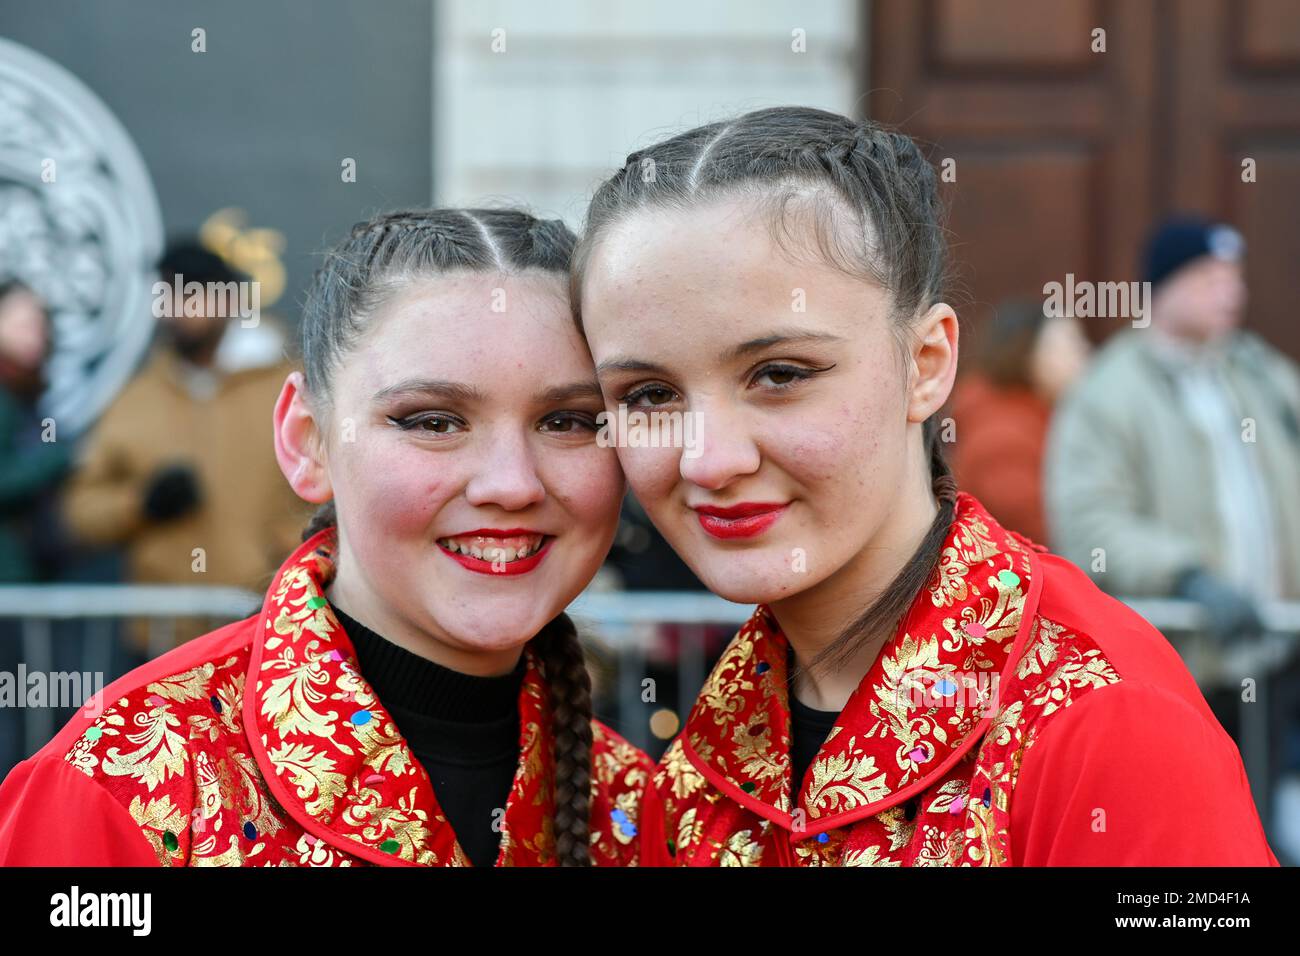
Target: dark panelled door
[(1072, 125)]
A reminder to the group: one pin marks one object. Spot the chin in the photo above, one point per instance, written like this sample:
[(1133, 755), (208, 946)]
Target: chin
[(494, 634), (753, 580)]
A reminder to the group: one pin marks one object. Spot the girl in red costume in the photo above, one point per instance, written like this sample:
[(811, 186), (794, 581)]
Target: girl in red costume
[(411, 693), (918, 685)]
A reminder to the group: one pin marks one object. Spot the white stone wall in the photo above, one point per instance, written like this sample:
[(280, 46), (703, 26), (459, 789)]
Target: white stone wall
[(581, 83)]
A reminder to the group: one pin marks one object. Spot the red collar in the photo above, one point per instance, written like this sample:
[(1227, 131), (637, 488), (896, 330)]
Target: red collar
[(923, 704), (334, 759)]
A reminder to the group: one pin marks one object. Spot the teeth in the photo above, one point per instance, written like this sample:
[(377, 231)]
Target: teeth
[(492, 549)]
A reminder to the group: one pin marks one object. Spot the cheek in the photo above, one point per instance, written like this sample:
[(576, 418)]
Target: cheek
[(589, 485), (652, 473), (401, 497), (840, 446), (819, 456)]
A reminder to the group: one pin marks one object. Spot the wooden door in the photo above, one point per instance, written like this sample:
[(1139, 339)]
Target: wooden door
[(1068, 143)]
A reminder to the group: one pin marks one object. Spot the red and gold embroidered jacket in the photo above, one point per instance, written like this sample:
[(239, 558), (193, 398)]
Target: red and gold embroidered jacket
[(1019, 716), (261, 744)]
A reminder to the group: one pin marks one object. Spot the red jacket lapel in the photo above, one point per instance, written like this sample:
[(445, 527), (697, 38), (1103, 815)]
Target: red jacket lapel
[(926, 701), (332, 755)]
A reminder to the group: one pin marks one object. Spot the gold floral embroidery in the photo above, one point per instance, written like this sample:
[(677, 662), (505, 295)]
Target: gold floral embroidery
[(897, 827), (156, 817), (405, 823), (255, 803), (961, 634), (1077, 670), (181, 688), (867, 856), (292, 698), (677, 770), (740, 849), (982, 837), (688, 830), (207, 854), (952, 793), (312, 772), (845, 780), (160, 751), (755, 751), (939, 846), (82, 755), (1042, 650), (815, 851), (722, 692)]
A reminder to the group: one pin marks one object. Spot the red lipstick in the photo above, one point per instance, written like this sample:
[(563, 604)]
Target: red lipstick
[(745, 520), (497, 568)]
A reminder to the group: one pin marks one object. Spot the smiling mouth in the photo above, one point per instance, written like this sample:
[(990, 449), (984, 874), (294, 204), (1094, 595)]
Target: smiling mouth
[(505, 548)]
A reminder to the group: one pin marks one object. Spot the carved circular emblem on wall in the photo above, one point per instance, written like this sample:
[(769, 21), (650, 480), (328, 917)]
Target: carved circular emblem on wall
[(79, 223)]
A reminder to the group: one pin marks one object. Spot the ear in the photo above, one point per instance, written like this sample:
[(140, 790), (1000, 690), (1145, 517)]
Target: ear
[(297, 443), (934, 362)]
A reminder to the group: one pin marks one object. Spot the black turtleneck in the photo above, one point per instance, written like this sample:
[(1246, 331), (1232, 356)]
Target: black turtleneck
[(809, 729), (464, 730)]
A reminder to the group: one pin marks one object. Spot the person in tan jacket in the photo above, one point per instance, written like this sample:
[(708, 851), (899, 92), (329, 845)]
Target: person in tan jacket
[(1172, 472), (1171, 465), (180, 471)]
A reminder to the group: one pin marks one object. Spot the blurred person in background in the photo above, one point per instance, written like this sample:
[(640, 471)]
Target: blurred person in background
[(1002, 407), (182, 461), (31, 465), (1178, 454), (31, 469)]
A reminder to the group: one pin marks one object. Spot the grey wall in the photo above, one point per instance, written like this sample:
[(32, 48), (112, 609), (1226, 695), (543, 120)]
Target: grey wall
[(262, 120)]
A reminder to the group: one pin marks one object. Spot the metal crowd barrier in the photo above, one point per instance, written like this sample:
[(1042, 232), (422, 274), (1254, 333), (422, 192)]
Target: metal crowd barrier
[(625, 622)]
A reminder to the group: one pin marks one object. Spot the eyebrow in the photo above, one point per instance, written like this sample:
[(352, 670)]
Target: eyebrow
[(775, 337), (459, 391)]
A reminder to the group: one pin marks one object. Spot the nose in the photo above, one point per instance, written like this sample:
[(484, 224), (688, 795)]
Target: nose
[(506, 475), (724, 450)]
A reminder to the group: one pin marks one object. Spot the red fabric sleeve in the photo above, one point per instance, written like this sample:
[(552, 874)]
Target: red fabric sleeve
[(1132, 775), (52, 814)]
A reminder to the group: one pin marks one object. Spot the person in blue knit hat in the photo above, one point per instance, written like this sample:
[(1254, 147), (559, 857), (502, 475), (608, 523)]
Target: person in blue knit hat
[(1171, 466)]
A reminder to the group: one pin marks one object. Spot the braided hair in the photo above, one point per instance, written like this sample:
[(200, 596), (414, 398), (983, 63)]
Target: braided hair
[(869, 200), (377, 259)]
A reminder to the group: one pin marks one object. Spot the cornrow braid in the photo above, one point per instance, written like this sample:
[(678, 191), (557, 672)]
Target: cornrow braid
[(878, 176), (392, 249), (570, 687), (322, 518)]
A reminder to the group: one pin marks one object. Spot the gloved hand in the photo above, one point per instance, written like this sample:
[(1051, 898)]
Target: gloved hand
[(1229, 614), (173, 491)]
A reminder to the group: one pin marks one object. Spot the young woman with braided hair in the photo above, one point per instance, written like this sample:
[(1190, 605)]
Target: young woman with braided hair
[(918, 684), (411, 692)]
